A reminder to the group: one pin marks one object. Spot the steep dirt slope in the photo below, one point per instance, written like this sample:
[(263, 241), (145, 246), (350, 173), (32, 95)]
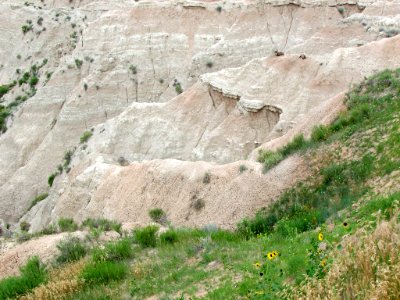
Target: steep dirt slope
[(109, 61)]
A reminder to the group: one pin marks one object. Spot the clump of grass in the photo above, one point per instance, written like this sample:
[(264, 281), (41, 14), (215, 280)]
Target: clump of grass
[(32, 275), (114, 251), (146, 237), (169, 237), (39, 198), (71, 249), (102, 224), (158, 215), (86, 136), (104, 272), (24, 226), (320, 133), (67, 224), (242, 169)]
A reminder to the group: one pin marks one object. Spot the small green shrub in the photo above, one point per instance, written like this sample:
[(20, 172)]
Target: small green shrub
[(4, 114), (51, 178), (242, 168), (33, 81), (178, 87), (158, 215), (86, 136), (199, 204), (102, 224), (26, 28), (67, 224), (206, 178), (114, 251), (4, 90), (133, 69), (24, 226), (209, 64), (32, 275), (78, 63), (219, 9), (68, 157), (169, 237), (104, 272), (85, 86), (146, 237), (38, 199), (71, 249)]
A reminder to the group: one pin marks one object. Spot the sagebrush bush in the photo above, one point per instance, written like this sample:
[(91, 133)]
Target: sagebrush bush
[(32, 275), (71, 249), (146, 237), (104, 272), (67, 224), (169, 237)]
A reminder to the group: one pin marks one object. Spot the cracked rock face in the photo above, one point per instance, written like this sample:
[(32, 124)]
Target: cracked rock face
[(169, 98)]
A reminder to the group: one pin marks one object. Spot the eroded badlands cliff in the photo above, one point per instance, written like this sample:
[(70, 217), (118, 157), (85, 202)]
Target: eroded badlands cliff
[(173, 92)]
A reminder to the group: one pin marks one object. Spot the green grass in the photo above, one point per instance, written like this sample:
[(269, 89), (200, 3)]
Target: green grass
[(146, 237), (39, 198), (114, 251), (104, 272), (169, 237), (32, 275), (86, 136), (102, 224), (67, 224)]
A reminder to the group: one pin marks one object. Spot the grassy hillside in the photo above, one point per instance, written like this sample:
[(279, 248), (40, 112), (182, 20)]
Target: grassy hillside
[(335, 235)]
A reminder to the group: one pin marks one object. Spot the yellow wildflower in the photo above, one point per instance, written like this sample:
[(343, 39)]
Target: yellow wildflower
[(257, 265), (270, 256), (274, 253), (323, 263), (320, 236)]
